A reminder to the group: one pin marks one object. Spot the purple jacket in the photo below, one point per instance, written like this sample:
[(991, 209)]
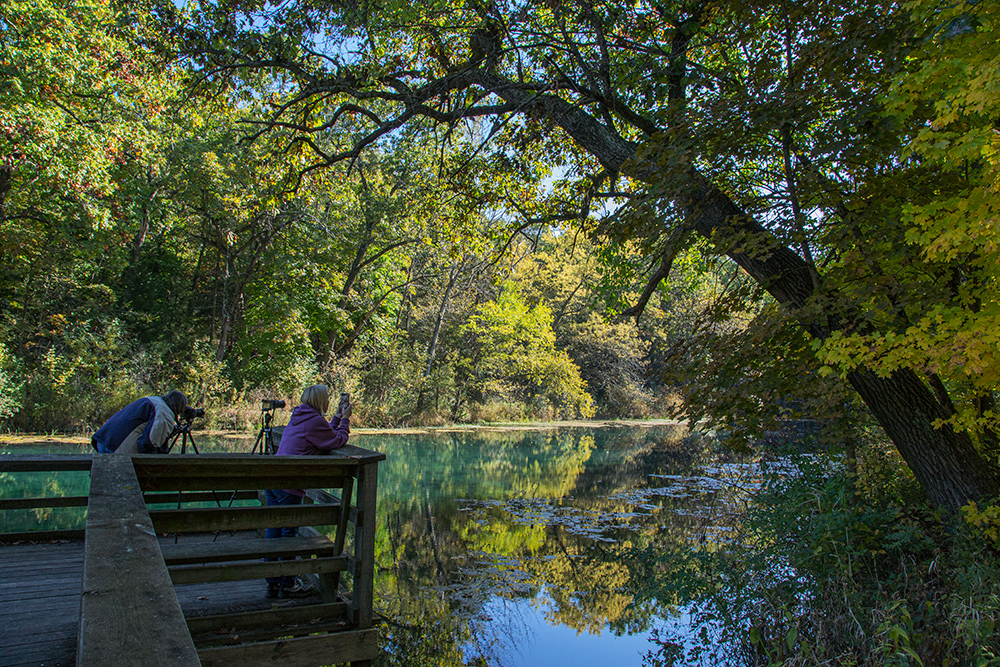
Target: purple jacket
[(308, 433)]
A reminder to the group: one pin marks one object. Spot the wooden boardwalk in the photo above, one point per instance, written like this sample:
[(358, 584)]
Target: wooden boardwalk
[(40, 588), (156, 585), (40, 603)]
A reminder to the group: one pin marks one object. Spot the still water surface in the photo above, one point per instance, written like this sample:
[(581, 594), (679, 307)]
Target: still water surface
[(563, 546)]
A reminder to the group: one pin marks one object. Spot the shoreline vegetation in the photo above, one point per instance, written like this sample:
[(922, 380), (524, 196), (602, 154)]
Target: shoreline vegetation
[(13, 439)]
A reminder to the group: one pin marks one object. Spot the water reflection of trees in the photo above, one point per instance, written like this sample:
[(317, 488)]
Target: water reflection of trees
[(568, 519), (555, 518), (56, 484)]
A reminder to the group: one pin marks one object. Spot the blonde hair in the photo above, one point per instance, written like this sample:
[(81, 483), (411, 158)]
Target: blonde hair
[(317, 396)]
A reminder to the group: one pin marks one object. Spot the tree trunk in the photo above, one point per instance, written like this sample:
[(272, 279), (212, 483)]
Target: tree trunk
[(432, 347), (945, 463), (6, 177)]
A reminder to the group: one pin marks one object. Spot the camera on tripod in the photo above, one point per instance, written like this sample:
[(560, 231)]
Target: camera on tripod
[(265, 438), (191, 414), (182, 430)]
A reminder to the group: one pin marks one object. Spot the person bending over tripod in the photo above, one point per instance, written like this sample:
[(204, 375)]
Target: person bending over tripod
[(142, 427), (308, 433)]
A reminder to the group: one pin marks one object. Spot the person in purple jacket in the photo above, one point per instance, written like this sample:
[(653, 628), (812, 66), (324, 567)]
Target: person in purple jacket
[(308, 433)]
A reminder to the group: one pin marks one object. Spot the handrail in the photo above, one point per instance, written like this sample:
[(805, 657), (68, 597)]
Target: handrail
[(129, 614), (32, 463), (44, 462)]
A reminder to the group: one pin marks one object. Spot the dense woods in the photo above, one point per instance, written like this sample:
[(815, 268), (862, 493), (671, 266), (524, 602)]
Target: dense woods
[(744, 214), (735, 211), (152, 241)]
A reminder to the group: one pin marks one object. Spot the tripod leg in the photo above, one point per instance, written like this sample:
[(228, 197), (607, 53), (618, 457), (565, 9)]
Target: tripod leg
[(258, 442)]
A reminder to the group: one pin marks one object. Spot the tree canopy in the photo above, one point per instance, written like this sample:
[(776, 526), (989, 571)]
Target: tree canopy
[(329, 184), (790, 137)]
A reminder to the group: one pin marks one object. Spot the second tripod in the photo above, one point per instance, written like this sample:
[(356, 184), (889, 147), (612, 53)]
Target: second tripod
[(265, 437)]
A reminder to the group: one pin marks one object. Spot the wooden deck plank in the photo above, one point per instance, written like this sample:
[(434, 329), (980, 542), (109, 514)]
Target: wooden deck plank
[(24, 635), (34, 503), (271, 634), (195, 574), (44, 462), (39, 609), (19, 572), (268, 617), (186, 498), (54, 654), (298, 652), (203, 519), (39, 536), (43, 590)]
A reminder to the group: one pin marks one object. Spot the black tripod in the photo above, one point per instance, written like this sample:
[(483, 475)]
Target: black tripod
[(183, 431), (265, 438)]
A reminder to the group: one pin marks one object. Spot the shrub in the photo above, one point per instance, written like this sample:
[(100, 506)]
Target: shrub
[(835, 573)]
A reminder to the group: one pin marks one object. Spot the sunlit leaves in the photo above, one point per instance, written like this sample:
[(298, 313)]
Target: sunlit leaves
[(514, 349), (951, 222)]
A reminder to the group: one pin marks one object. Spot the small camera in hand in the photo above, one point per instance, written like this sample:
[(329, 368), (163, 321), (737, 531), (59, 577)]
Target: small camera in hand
[(344, 409)]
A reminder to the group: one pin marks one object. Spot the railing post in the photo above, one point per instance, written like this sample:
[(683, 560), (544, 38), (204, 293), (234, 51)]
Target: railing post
[(364, 545)]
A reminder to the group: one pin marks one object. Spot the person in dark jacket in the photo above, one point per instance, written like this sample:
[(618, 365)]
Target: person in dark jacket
[(142, 426), (308, 433)]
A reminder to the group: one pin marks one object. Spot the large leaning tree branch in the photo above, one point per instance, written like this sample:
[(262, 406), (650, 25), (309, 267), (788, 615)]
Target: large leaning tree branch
[(944, 461)]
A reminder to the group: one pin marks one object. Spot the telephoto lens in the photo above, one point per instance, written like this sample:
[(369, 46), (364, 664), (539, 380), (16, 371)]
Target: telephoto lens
[(192, 413), (271, 404)]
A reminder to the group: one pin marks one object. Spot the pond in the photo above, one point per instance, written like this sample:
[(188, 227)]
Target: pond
[(535, 546)]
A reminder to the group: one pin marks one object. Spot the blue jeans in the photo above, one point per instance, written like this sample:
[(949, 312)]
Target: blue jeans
[(100, 446), (281, 497)]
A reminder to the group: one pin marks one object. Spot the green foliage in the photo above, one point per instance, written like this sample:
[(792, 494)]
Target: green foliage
[(613, 360), (11, 384), (564, 272), (513, 353), (76, 85), (835, 572), (948, 96), (350, 238), (385, 375)]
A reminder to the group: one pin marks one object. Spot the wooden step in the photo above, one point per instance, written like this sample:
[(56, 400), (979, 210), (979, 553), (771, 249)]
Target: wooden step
[(208, 519), (243, 627), (196, 562)]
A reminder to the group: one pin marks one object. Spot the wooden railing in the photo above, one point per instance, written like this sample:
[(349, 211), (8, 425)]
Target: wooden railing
[(130, 573), (129, 613), (17, 465)]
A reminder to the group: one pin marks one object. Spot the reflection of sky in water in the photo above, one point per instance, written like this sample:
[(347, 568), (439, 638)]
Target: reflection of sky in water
[(518, 622), (515, 633)]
